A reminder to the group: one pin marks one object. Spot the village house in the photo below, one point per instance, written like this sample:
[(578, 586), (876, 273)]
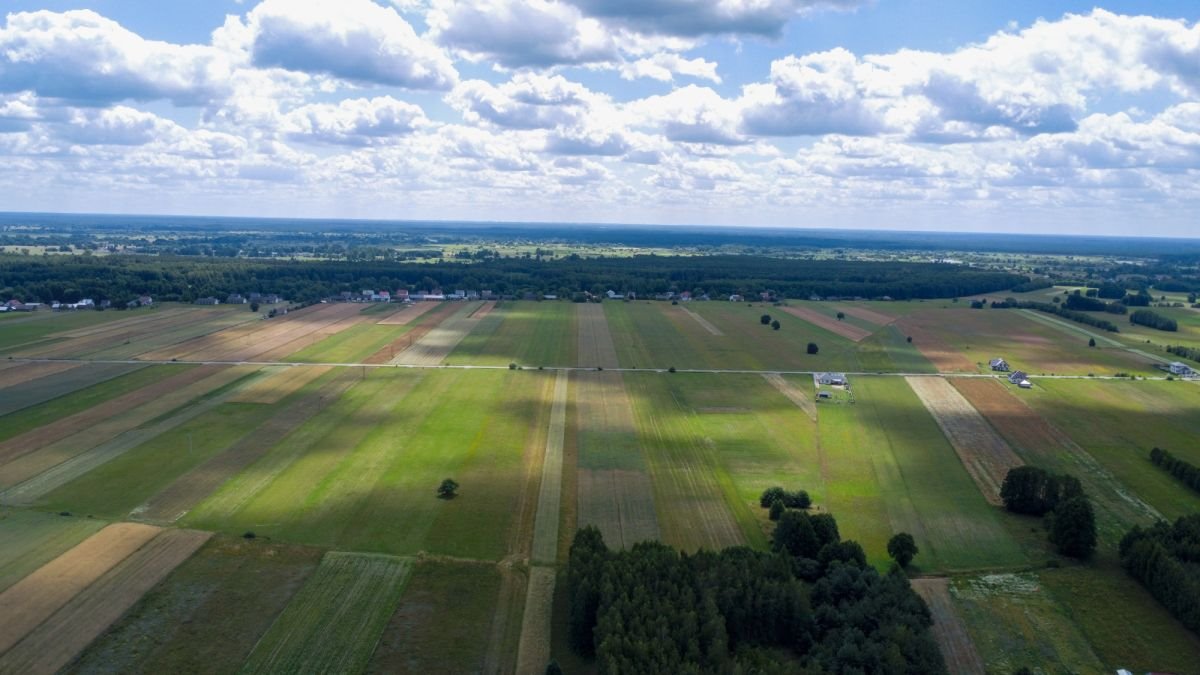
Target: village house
[(401, 295), (207, 301), (145, 300), (833, 379), (999, 365), (1021, 379), (1181, 369), (736, 298), (235, 299)]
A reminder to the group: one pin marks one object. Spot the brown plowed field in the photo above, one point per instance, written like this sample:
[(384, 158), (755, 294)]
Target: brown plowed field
[(66, 426), (940, 354), (397, 346), (985, 455), (24, 372), (58, 640), (596, 348), (278, 386), (259, 338), (484, 309), (435, 345), (406, 315), (30, 601), (868, 315), (949, 631), (846, 330)]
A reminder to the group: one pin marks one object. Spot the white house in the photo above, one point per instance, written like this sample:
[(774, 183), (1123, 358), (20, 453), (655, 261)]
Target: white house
[(833, 379), (1177, 368)]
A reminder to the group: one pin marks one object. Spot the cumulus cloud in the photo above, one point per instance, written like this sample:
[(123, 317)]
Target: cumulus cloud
[(354, 40), (811, 95), (119, 125), (521, 33), (665, 66), (694, 18), (528, 101), (358, 121), (691, 114)]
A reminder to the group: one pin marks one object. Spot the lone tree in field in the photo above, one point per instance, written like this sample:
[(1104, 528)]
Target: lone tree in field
[(775, 324), (902, 548), (813, 348), (254, 307), (908, 339), (448, 489), (841, 315), (765, 319), (1091, 342)]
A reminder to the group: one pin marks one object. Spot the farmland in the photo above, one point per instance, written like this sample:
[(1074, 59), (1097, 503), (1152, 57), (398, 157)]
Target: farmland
[(242, 494)]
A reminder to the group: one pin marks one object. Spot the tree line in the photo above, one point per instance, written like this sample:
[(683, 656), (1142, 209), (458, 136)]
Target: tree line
[(1071, 521), (68, 278), (1163, 558), (1186, 472), (1191, 353), (655, 609), (1145, 317), (1048, 308)]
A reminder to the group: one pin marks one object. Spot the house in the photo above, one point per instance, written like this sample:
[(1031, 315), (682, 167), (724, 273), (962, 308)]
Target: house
[(685, 296), (1020, 378), (736, 298), (487, 295), (999, 365), (272, 299), (1177, 368), (472, 295), (235, 299), (344, 296), (381, 296), (401, 294), (145, 300), (207, 301), (833, 379), (549, 296), (1025, 384)]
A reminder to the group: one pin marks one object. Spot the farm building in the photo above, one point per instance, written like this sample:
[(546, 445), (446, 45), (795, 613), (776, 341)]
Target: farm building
[(207, 301), (999, 365), (1020, 378), (735, 298), (235, 299), (1177, 368), (833, 379)]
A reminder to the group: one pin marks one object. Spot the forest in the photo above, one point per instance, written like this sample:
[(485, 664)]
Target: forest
[(1163, 558), (119, 278)]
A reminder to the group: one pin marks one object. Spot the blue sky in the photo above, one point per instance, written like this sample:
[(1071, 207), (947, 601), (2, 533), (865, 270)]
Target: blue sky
[(1018, 116)]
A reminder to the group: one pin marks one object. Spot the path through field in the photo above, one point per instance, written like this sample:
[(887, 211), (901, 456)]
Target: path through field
[(803, 399), (846, 330), (949, 631), (596, 348), (705, 323), (986, 456)]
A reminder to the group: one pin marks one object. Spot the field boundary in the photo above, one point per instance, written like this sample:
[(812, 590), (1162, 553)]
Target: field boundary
[(949, 629), (595, 346), (794, 394), (846, 330), (705, 323)]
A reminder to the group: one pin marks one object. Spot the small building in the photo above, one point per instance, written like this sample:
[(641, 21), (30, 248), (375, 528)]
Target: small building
[(736, 298), (1025, 384), (833, 379), (207, 301), (401, 294), (999, 365), (235, 299), (549, 296), (685, 296), (145, 300), (1018, 376), (823, 395), (1182, 369)]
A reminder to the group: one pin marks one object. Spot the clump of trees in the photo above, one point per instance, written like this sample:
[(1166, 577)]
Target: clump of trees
[(1191, 353), (1070, 520), (1186, 472), (775, 325), (448, 489), (1146, 317), (798, 499), (1163, 558), (812, 600)]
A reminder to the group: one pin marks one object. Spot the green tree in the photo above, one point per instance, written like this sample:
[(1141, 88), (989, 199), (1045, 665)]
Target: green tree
[(902, 547), (771, 495), (448, 489), (794, 535), (553, 668), (775, 324), (765, 319), (841, 315), (254, 307), (777, 509), (813, 348), (1073, 527), (1091, 342)]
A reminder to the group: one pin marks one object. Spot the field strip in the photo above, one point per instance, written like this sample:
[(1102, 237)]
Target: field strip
[(533, 650), (1033, 434), (803, 401), (1073, 328), (30, 601), (25, 372), (335, 621), (120, 335), (483, 310), (545, 528), (62, 383), (121, 324), (846, 330), (868, 315), (28, 464), (194, 486), (56, 476), (933, 348), (705, 323), (620, 503), (433, 347), (949, 630), (32, 539), (246, 341), (407, 313), (596, 347), (57, 641), (278, 386), (985, 455), (96, 415)]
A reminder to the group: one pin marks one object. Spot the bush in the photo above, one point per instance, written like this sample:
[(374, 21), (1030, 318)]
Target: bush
[(1032, 491), (448, 489), (512, 366), (765, 319), (775, 325), (671, 369), (813, 348)]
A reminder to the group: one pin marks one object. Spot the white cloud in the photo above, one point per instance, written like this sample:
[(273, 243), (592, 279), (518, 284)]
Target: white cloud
[(665, 66), (521, 33), (528, 101), (693, 18), (357, 121)]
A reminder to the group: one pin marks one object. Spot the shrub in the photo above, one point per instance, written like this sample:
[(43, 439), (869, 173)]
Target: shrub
[(813, 348)]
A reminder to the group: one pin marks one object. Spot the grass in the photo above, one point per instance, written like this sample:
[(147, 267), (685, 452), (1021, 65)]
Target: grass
[(352, 345), (208, 614), (527, 333), (25, 332), (63, 383), (888, 351), (335, 621), (31, 539), (438, 627), (77, 401), (1119, 422)]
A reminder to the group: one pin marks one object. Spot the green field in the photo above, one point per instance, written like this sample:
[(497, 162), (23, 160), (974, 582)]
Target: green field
[(352, 345), (43, 325), (527, 333), (334, 622), (31, 539)]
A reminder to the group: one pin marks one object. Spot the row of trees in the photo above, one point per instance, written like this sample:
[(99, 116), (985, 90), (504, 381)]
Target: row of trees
[(1186, 472), (1191, 353), (1146, 317), (184, 278), (654, 609), (1163, 558), (1070, 520), (1073, 315), (1082, 303)]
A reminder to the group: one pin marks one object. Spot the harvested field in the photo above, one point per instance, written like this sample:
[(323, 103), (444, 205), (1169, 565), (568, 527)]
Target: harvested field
[(533, 652), (408, 313), (949, 631), (803, 399), (19, 373), (433, 347), (986, 456), (846, 330), (37, 472), (935, 349), (596, 348), (620, 503), (545, 529), (194, 486), (335, 621), (32, 539), (868, 315), (58, 640), (405, 341), (123, 339), (278, 385), (483, 310), (89, 418), (61, 383), (207, 615), (25, 605), (1046, 445), (704, 323)]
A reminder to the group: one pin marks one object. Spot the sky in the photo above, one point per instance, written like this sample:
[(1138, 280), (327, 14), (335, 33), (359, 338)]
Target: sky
[(1016, 116)]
